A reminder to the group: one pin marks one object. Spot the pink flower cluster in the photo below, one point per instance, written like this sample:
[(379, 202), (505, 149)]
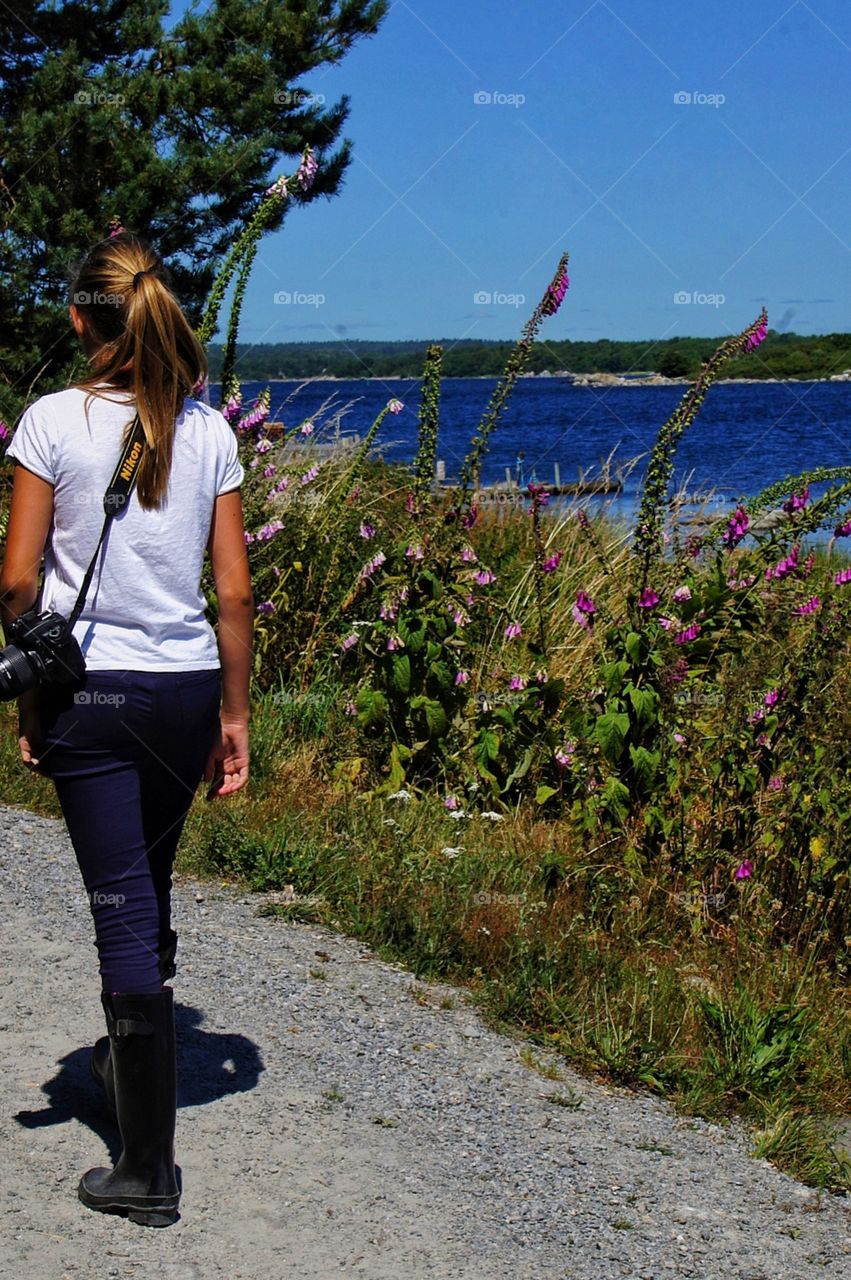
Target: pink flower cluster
[(690, 633), (310, 475), (371, 565), (759, 335), (796, 502), (737, 528), (648, 599), (257, 414), (554, 296), (564, 755), (842, 577), (269, 530), (307, 170), (842, 530), (810, 607), (551, 563), (583, 611), (786, 566)]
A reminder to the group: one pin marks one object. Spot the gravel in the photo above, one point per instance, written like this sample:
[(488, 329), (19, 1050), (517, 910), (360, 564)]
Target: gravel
[(336, 1121)]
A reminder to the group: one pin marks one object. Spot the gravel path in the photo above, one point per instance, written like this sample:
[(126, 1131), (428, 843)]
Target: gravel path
[(339, 1126)]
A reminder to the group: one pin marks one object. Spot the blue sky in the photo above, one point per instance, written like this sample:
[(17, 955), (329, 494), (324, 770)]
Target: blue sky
[(731, 194)]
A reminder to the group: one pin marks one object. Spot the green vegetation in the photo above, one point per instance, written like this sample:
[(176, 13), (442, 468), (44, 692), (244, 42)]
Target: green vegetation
[(783, 355), (599, 775)]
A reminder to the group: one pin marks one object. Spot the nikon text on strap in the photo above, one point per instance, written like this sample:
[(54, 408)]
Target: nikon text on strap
[(117, 493)]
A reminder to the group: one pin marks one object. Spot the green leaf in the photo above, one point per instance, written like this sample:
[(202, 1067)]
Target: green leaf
[(400, 678), (645, 704), (645, 765), (610, 732), (545, 793), (372, 708), (616, 799), (633, 646), (436, 718), (412, 631)]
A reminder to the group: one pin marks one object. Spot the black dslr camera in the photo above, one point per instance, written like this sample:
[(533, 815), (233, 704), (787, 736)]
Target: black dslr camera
[(42, 649)]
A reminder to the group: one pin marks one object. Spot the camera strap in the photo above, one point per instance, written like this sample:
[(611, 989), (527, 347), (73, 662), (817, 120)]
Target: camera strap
[(117, 493)]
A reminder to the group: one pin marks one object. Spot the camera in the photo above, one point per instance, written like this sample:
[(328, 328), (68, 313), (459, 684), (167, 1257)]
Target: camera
[(42, 649)]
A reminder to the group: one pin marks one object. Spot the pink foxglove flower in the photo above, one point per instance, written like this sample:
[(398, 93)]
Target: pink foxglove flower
[(512, 631), (648, 599), (551, 563), (367, 530), (307, 170), (811, 606), (690, 633), (484, 577), (266, 607), (744, 870), (462, 677), (395, 406)]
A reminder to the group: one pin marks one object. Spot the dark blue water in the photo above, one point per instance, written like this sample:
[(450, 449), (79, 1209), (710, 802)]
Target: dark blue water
[(746, 436)]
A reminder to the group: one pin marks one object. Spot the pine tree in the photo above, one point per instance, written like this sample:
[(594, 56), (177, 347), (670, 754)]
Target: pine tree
[(106, 111)]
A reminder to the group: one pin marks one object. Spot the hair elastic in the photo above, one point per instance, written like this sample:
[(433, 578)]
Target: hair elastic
[(138, 277)]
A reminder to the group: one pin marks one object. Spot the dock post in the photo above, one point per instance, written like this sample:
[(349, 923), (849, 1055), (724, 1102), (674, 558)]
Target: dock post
[(556, 476), (440, 471)]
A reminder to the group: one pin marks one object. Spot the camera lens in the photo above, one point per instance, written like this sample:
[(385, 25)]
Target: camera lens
[(16, 673)]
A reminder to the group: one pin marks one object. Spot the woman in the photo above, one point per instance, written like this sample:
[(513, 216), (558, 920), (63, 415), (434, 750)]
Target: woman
[(162, 705)]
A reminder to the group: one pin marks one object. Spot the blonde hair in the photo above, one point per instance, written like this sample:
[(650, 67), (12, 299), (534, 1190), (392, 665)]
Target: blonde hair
[(138, 339)]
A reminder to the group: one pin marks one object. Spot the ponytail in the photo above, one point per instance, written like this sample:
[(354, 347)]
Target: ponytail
[(138, 339)]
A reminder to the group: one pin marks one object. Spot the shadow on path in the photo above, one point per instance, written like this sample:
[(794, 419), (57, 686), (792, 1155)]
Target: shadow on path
[(210, 1065)]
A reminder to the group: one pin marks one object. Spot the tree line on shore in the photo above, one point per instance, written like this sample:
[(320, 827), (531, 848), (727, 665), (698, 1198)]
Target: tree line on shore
[(783, 355)]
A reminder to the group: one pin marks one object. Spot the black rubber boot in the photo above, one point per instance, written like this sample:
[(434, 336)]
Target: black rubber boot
[(143, 1185), (100, 1063)]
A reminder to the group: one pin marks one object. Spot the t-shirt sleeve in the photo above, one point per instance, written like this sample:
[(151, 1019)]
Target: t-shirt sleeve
[(33, 444), (231, 470)]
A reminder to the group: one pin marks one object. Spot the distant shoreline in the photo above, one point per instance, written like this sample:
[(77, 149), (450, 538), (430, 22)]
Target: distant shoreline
[(593, 380)]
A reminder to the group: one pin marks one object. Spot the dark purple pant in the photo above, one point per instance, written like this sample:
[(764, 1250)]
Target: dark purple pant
[(126, 755)]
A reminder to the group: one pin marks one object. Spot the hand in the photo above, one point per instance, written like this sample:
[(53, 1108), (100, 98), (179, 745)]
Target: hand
[(227, 763), (30, 738)]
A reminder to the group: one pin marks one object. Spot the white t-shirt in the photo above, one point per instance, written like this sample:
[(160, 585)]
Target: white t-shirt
[(145, 609)]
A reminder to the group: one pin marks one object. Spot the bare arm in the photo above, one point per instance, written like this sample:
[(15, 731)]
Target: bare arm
[(227, 768), (29, 523)]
